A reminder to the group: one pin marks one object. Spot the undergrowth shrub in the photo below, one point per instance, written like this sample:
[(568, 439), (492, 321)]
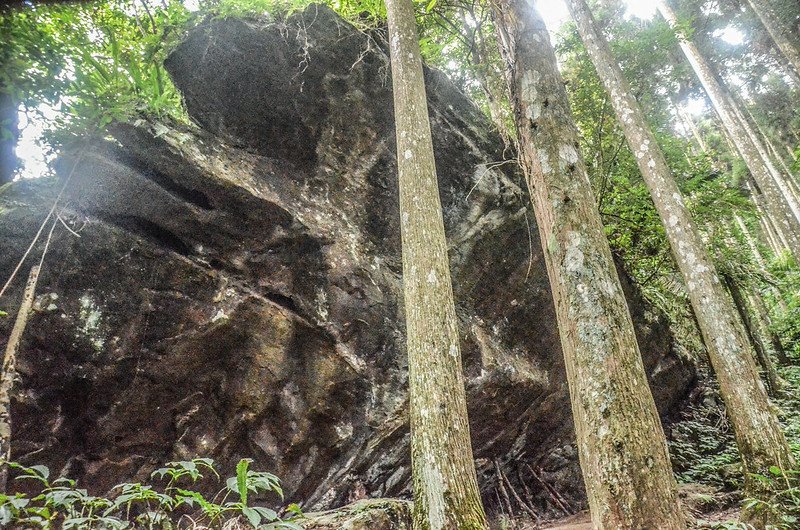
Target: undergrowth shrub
[(61, 505)]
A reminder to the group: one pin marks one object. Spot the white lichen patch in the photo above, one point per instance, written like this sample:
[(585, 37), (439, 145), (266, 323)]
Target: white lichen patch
[(573, 258), (344, 430), (544, 162), (91, 319), (529, 95), (435, 495), (453, 351), (46, 302), (322, 304), (568, 154)]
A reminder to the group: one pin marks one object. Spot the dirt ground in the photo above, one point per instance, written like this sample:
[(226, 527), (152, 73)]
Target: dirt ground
[(705, 507)]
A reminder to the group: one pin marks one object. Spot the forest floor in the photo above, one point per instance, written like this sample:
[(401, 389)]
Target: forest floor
[(582, 521), (706, 509)]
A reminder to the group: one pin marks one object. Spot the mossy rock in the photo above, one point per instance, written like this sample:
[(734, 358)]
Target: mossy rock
[(367, 514)]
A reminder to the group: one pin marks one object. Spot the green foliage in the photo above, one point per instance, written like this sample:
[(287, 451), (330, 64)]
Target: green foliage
[(252, 8), (61, 505), (781, 507), (94, 62), (702, 447), (785, 301)]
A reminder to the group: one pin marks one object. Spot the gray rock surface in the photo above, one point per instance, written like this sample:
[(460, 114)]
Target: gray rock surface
[(235, 290), (367, 514)]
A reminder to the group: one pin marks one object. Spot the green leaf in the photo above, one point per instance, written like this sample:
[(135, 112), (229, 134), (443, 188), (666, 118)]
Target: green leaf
[(42, 471), (252, 515), (266, 513), (241, 478), (775, 470)]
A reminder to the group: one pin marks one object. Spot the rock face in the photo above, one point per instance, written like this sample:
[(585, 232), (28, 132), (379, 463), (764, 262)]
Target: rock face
[(235, 289)]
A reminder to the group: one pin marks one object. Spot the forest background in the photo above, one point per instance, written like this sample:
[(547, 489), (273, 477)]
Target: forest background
[(68, 70)]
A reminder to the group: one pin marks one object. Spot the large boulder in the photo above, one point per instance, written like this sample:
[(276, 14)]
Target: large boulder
[(236, 287)]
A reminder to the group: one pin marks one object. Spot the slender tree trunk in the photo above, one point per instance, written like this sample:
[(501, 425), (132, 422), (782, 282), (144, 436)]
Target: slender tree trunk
[(777, 205), (770, 375), (621, 445), (9, 373), (758, 434), (9, 132), (754, 299), (785, 37), (688, 122), (9, 107), (785, 182), (691, 126), (773, 233), (773, 154), (775, 243), (751, 243), (781, 160), (764, 323), (476, 37), (445, 484)]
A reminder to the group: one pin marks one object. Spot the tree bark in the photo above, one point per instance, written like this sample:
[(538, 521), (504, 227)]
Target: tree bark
[(772, 153), (9, 373), (773, 233), (751, 244), (621, 445), (784, 181), (762, 314), (785, 38), (778, 207), (446, 492), (688, 123), (9, 111), (758, 434), (770, 375)]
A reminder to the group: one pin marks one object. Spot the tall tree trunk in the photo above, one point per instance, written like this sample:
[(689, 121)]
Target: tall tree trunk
[(481, 64), (9, 373), (778, 207), (772, 152), (688, 122), (621, 445), (9, 133), (9, 107), (770, 375), (782, 33), (773, 233), (751, 244), (445, 484), (762, 314), (785, 182), (754, 299), (758, 434)]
